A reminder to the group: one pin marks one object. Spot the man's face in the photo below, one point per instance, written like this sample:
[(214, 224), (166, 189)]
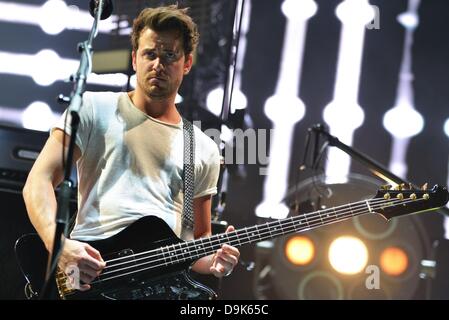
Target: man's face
[(160, 63)]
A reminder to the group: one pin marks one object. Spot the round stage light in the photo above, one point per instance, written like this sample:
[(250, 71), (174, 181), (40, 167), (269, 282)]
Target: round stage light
[(348, 255), (299, 250), (394, 261)]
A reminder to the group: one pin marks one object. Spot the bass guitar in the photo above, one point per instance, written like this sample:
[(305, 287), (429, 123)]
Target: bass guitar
[(148, 261)]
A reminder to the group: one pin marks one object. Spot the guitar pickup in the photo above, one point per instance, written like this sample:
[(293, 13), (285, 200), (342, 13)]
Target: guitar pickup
[(120, 262)]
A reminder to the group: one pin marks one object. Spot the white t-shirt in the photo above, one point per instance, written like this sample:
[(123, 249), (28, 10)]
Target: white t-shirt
[(131, 166)]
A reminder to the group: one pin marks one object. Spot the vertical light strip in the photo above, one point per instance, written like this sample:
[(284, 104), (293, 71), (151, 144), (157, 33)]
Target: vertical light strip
[(343, 114), (403, 121), (239, 100), (285, 108)]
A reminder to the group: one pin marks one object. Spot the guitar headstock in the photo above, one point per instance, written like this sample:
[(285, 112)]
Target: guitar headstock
[(400, 200)]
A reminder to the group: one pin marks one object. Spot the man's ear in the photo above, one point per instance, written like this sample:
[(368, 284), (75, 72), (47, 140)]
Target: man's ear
[(188, 64), (133, 55)]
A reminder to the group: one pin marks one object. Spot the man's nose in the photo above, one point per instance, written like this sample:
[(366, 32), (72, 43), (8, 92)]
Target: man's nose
[(157, 64)]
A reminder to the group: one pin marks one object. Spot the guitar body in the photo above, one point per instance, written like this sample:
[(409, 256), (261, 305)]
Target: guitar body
[(129, 279)]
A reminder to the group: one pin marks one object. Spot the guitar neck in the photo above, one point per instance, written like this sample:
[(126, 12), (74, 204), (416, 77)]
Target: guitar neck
[(265, 231)]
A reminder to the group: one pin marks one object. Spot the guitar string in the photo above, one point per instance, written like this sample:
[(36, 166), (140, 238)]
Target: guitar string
[(185, 245), (391, 203), (162, 264), (274, 234), (313, 215), (232, 236)]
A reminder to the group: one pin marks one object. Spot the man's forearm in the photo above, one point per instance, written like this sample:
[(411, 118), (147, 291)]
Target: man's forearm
[(40, 201)]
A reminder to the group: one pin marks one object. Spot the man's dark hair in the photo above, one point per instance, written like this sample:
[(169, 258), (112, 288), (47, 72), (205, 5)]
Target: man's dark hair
[(165, 19)]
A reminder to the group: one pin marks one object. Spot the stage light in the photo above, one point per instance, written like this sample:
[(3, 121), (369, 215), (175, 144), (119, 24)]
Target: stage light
[(390, 252), (299, 250), (38, 116), (403, 121), (408, 20), (112, 79), (285, 108), (446, 127), (179, 98), (355, 12), (348, 255), (41, 73), (299, 10), (53, 16), (394, 261), (293, 110), (343, 114), (36, 67), (214, 101)]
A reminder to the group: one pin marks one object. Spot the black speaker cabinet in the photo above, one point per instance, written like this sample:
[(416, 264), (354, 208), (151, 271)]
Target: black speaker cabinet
[(13, 223), (18, 150)]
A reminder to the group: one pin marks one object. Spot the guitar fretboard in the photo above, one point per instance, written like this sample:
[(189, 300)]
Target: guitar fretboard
[(194, 249)]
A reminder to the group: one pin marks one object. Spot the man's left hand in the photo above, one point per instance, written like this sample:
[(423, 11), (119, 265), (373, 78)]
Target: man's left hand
[(225, 259)]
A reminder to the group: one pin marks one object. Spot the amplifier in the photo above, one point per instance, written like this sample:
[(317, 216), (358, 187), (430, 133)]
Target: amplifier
[(19, 149)]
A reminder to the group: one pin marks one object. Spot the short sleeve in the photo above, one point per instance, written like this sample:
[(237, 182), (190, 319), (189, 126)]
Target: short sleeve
[(207, 172), (85, 125)]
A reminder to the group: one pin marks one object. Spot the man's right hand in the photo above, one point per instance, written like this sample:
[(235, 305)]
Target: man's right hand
[(85, 257)]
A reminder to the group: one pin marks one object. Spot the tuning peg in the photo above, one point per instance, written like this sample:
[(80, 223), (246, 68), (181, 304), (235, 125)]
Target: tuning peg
[(400, 196), (386, 187), (398, 187), (413, 196), (424, 186)]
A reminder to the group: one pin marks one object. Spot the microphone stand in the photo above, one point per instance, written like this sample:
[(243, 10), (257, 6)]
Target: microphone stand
[(62, 213), (375, 167), (218, 202)]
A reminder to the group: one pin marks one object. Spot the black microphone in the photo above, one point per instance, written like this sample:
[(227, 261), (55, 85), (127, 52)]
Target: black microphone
[(107, 8)]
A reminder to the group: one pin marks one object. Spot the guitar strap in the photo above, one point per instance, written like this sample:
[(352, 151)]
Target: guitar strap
[(188, 178)]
